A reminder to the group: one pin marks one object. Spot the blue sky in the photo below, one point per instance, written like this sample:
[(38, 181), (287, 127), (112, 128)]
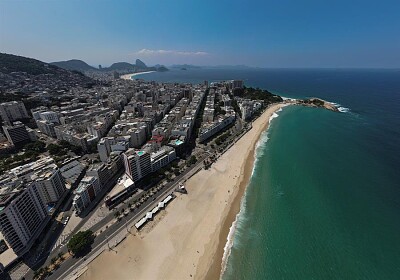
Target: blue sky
[(284, 33)]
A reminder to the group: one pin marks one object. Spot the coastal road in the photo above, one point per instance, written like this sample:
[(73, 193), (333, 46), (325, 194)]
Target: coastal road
[(101, 240)]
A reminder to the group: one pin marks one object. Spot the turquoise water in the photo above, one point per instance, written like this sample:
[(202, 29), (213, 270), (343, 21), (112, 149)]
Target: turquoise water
[(324, 198), (317, 206)]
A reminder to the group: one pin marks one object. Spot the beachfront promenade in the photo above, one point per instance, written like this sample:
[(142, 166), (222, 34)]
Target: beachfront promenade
[(116, 232), (119, 230)]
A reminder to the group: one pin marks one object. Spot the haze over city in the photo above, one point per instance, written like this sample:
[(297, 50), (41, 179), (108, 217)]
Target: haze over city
[(186, 139), (257, 33)]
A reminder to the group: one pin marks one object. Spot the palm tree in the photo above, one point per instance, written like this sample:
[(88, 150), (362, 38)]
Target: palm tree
[(116, 214), (41, 271), (45, 271), (60, 256)]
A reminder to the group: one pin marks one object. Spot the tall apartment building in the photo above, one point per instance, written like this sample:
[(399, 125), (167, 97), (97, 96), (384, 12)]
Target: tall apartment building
[(162, 157), (138, 136), (17, 134), (86, 192), (107, 145), (50, 184), (13, 111), (24, 193), (137, 164), (46, 128), (104, 149), (236, 84), (49, 116), (22, 216)]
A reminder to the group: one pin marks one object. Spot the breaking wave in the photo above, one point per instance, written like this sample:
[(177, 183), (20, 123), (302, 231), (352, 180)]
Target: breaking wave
[(340, 107), (259, 151)]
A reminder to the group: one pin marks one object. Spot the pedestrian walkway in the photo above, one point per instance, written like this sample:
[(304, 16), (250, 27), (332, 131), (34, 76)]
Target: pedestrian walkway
[(19, 272)]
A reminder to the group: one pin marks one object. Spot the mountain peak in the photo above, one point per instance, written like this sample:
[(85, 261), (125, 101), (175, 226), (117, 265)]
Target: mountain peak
[(140, 64)]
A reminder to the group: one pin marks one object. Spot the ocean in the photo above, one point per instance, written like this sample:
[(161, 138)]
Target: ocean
[(323, 201)]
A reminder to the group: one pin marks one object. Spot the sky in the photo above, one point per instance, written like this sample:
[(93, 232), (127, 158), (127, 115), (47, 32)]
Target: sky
[(278, 33)]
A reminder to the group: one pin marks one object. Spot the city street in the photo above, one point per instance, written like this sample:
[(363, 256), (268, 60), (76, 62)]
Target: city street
[(115, 228)]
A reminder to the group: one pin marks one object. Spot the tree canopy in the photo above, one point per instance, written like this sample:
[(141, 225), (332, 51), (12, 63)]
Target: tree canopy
[(80, 241)]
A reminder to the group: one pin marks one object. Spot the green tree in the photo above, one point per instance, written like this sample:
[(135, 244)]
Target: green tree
[(54, 149), (60, 256), (177, 172), (36, 274), (80, 241), (37, 146), (192, 160)]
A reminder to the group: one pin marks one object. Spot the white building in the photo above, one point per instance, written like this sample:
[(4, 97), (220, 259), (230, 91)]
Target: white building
[(86, 192), (49, 116), (13, 111), (24, 194), (22, 216), (162, 158), (137, 164), (50, 184), (207, 132)]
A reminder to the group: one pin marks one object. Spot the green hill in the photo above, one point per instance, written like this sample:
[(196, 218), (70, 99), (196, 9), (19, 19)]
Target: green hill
[(13, 63), (122, 66), (74, 64)]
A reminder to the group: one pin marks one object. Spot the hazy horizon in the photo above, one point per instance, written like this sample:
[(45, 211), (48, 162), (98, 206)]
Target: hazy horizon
[(262, 34)]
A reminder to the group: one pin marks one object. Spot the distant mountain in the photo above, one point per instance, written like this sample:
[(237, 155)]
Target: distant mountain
[(121, 66), (13, 63), (140, 64), (162, 68), (74, 64), (27, 75)]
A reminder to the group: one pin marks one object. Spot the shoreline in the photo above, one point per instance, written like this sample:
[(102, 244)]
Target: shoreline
[(217, 268), (193, 233), (129, 76)]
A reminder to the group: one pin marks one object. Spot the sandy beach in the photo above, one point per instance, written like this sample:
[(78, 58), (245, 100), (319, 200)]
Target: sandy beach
[(188, 242), (129, 76)]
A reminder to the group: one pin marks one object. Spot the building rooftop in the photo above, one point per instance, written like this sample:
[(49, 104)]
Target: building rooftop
[(19, 178), (123, 183)]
